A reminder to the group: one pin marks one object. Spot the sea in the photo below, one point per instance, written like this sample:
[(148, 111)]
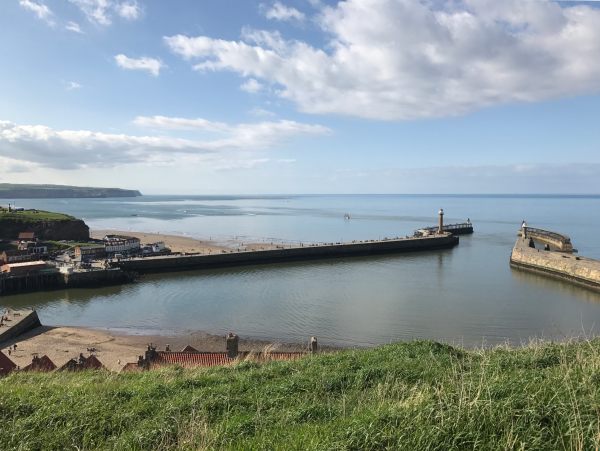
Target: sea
[(466, 296)]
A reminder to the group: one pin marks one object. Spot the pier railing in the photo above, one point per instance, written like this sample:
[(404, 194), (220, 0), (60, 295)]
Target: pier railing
[(463, 226)]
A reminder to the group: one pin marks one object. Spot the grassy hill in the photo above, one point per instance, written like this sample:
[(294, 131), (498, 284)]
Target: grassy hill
[(419, 395), (25, 191), (33, 215)]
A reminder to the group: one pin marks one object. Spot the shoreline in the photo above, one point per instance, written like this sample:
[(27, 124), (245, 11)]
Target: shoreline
[(187, 244), (115, 348)]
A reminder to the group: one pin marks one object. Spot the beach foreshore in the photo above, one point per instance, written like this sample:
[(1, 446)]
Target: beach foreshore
[(186, 244), (115, 349)]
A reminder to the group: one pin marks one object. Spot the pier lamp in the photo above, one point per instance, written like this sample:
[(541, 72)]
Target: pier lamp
[(441, 222)]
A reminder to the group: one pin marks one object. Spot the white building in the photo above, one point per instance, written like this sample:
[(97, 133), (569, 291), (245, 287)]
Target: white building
[(121, 244)]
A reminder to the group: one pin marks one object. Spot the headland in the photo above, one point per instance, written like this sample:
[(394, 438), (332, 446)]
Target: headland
[(28, 191)]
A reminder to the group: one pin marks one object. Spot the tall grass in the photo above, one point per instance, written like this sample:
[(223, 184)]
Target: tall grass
[(420, 395)]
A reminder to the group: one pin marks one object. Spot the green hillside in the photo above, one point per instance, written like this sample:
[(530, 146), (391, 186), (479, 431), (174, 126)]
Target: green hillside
[(418, 396)]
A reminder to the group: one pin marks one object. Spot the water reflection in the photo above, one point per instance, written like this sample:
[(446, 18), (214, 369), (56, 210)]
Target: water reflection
[(555, 285)]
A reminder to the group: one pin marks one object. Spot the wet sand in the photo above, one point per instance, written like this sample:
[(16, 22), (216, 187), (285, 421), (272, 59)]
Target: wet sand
[(114, 349)]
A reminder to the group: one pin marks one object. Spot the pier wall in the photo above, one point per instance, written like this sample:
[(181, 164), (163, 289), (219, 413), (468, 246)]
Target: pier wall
[(86, 279), (21, 321), (580, 270), (43, 281), (178, 263)]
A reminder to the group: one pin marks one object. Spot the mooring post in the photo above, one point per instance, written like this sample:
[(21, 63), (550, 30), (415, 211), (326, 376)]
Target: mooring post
[(232, 345), (314, 346), (441, 221)]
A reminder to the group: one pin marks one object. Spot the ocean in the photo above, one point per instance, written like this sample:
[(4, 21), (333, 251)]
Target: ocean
[(467, 295)]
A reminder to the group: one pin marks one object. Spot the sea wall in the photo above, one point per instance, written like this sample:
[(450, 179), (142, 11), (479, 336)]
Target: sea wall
[(86, 279), (580, 270), (70, 229), (177, 263), (46, 280), (20, 321)]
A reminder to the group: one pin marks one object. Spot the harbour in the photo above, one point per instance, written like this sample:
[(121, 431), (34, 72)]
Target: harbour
[(468, 294)]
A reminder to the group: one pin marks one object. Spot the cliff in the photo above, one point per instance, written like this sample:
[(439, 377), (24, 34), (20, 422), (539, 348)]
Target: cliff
[(12, 191), (46, 229)]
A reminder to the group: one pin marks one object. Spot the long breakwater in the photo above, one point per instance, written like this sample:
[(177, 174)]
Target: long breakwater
[(317, 252)]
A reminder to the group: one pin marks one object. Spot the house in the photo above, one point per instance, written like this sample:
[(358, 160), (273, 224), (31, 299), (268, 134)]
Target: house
[(158, 248), (189, 357), (43, 364), (27, 236), (121, 244), (87, 253), (32, 247), (83, 363), (15, 269), (15, 256), (6, 365)]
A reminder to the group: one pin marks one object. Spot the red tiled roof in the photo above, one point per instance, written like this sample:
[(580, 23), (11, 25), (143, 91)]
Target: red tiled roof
[(192, 360), (41, 364), (208, 359), (6, 365), (27, 235)]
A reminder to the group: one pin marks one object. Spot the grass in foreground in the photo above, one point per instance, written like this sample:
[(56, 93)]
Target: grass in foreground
[(419, 395)]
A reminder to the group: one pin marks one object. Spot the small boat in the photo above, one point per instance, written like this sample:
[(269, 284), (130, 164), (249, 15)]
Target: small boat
[(347, 217)]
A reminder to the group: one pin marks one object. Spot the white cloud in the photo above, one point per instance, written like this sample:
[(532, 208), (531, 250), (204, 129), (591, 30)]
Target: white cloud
[(101, 12), (72, 149), (179, 123), (129, 10), (241, 136), (74, 27), (406, 59), (261, 112), (251, 85), (151, 65), (72, 85), (39, 9), (96, 11), (284, 13)]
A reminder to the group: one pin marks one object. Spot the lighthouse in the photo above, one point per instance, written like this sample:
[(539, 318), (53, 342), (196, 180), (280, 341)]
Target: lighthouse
[(441, 221)]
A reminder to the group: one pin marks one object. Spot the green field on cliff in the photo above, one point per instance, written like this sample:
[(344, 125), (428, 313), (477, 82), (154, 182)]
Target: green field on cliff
[(33, 215), (420, 395)]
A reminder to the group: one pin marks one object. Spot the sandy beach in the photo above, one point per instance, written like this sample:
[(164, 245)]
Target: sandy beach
[(185, 244), (113, 349)]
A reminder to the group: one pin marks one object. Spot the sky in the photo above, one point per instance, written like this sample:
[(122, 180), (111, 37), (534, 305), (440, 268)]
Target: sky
[(302, 96)]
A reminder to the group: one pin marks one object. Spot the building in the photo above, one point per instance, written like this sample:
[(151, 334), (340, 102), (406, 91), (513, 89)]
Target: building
[(87, 253), (27, 236), (6, 365), (15, 256), (83, 363), (32, 247), (158, 248), (43, 364), (119, 244), (189, 357), (16, 269)]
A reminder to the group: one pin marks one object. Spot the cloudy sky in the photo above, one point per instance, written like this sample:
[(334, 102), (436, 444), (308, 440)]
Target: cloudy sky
[(302, 96)]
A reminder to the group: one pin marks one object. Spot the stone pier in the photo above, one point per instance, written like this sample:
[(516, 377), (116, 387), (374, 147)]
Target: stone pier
[(558, 264)]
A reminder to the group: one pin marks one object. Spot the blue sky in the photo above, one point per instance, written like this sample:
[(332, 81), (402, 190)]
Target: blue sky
[(302, 96)]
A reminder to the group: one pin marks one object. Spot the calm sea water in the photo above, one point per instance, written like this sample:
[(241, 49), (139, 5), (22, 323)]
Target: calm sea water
[(467, 295)]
